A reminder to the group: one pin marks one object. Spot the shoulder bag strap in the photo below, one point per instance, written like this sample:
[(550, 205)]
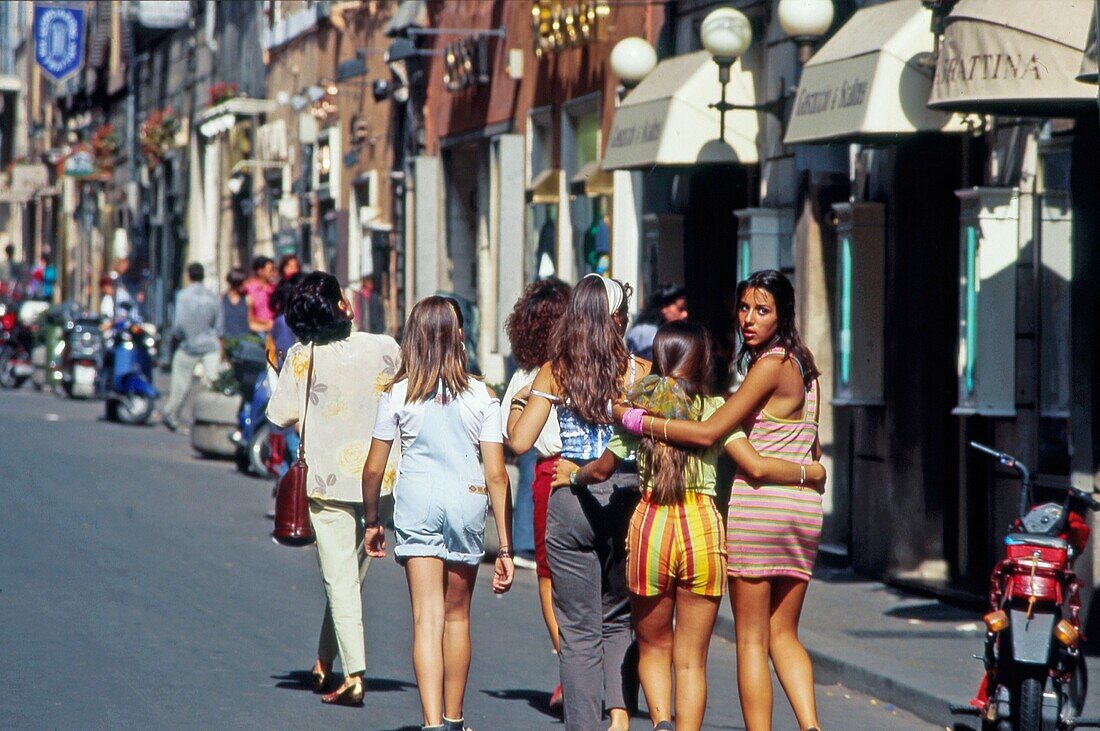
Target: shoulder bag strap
[(305, 413)]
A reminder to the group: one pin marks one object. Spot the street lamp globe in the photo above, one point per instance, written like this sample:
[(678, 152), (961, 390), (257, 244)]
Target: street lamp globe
[(805, 20), (726, 34), (632, 59)]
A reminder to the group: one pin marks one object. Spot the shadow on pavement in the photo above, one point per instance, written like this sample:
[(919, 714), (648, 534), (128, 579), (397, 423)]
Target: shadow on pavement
[(303, 680), (536, 699)]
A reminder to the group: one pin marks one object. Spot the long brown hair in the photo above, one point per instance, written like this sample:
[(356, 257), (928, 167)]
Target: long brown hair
[(683, 349), (779, 287), (432, 350), (588, 356)]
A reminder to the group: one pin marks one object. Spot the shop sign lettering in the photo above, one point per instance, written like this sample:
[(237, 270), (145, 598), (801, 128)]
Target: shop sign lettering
[(636, 135), (849, 93), (989, 67)]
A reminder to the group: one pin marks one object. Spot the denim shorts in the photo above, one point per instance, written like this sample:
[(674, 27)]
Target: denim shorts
[(439, 518)]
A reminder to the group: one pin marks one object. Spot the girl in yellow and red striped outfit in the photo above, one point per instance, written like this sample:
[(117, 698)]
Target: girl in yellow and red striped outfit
[(676, 553)]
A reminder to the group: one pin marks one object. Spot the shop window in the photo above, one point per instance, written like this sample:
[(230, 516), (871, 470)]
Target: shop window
[(543, 196), (1055, 334), (860, 304), (989, 222), (589, 216)]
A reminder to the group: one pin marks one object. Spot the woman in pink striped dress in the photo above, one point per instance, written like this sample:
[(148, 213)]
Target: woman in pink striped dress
[(772, 530)]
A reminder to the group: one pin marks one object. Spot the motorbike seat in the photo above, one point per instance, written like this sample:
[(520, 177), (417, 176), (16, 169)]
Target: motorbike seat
[(1034, 539)]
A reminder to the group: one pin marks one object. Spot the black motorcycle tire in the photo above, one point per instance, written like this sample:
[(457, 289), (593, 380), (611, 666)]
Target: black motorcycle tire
[(1029, 705)]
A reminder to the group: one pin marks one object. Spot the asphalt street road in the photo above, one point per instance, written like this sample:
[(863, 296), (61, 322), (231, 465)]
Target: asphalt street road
[(139, 588)]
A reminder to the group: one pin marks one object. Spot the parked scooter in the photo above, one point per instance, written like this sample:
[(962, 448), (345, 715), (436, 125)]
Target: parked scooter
[(1035, 675), (248, 360), (128, 371), (82, 358), (18, 322)]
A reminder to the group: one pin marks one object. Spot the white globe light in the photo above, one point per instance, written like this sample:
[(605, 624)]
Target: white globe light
[(632, 59), (805, 18), (726, 33)]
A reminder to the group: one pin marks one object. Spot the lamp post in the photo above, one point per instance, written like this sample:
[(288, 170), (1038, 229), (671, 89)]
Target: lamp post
[(631, 60), (804, 21), (726, 34)]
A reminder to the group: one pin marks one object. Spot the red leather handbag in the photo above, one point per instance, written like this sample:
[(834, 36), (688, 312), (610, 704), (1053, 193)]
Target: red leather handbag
[(292, 526)]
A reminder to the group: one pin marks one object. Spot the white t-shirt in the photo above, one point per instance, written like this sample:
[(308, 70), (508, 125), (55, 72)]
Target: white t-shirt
[(548, 443), (479, 409)]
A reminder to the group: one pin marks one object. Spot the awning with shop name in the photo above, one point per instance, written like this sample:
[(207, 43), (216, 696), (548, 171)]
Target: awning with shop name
[(870, 80), (665, 120), (1019, 57)]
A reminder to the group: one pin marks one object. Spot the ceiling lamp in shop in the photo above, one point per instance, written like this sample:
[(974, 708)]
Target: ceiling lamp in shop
[(558, 25)]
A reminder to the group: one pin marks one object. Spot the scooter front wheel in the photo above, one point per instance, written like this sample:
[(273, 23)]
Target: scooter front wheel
[(134, 408), (1029, 705)]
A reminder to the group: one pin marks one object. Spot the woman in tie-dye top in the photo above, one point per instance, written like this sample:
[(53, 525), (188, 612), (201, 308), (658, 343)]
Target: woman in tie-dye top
[(772, 529)]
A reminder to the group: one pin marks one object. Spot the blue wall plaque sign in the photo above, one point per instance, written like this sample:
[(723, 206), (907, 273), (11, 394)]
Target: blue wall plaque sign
[(58, 40)]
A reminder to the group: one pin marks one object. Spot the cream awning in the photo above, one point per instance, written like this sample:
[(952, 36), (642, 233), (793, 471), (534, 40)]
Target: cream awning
[(1017, 57), (1087, 74), (665, 120), (871, 79)]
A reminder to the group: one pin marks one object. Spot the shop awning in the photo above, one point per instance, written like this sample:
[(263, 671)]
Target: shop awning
[(1087, 74), (870, 80), (546, 187), (665, 120), (1018, 57)]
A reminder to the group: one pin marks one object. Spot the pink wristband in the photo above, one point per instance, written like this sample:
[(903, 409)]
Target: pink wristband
[(632, 421)]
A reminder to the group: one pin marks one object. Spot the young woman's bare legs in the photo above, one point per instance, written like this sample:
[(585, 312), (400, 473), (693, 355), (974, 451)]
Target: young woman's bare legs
[(653, 629), (440, 595), (425, 577), (752, 619), (695, 616), (766, 614), (458, 588), (546, 601), (791, 661), (661, 649)]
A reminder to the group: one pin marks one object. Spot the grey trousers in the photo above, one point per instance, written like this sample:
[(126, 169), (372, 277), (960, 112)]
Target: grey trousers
[(586, 546), (183, 370)]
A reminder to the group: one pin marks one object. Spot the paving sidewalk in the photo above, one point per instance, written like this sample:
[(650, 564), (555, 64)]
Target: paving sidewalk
[(907, 650)]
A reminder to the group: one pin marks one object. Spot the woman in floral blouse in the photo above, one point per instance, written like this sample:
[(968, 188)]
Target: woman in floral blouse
[(350, 370)]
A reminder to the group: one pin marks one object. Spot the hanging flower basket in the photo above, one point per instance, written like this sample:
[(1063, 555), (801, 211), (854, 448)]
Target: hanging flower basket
[(156, 135), (222, 91), (105, 145)]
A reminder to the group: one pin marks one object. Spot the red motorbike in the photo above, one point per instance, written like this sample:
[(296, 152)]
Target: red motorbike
[(1035, 676)]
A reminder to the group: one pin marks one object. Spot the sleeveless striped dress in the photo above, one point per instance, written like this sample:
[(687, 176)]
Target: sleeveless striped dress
[(774, 530)]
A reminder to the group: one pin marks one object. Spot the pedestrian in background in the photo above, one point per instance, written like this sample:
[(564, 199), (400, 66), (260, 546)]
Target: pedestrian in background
[(289, 266), (586, 526), (452, 466), (236, 308), (530, 328), (343, 373), (197, 328), (668, 303), (773, 529), (259, 288), (676, 553)]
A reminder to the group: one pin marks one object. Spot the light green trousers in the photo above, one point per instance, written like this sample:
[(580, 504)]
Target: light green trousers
[(338, 528)]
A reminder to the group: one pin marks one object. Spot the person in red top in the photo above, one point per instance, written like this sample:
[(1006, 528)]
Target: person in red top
[(259, 288)]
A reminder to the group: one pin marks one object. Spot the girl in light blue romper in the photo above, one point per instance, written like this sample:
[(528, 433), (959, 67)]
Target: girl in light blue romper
[(451, 468)]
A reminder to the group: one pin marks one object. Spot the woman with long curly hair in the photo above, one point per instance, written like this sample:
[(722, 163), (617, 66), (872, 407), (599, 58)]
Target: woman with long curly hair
[(773, 527), (586, 526), (529, 329)]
